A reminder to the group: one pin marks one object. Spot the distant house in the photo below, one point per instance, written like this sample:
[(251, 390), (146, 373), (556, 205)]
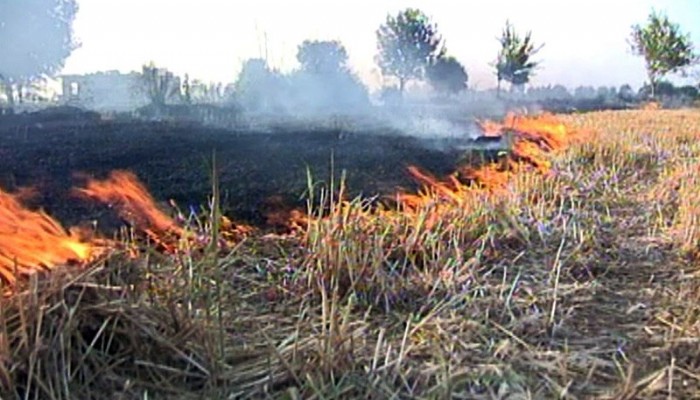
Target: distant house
[(104, 91)]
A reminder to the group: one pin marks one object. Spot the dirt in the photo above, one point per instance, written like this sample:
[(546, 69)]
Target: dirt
[(174, 162)]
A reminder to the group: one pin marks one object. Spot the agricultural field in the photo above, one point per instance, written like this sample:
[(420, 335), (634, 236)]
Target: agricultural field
[(566, 269)]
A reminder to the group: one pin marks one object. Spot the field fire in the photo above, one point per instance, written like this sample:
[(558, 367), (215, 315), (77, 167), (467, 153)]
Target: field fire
[(339, 213), (545, 197), (32, 240)]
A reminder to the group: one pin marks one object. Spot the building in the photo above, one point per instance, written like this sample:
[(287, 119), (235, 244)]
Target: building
[(104, 91)]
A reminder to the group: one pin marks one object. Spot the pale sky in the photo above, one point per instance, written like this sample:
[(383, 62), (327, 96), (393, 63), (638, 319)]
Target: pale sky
[(585, 40)]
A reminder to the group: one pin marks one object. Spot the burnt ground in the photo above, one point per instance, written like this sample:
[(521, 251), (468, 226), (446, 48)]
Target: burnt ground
[(173, 160)]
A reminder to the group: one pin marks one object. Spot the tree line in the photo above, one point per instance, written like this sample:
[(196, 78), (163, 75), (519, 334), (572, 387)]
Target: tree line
[(36, 37)]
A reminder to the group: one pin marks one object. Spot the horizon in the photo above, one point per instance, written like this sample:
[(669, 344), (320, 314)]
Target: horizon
[(210, 39)]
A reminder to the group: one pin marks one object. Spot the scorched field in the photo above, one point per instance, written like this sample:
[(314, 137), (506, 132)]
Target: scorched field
[(567, 268)]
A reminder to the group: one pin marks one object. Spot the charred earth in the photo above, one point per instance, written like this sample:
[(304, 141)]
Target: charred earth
[(50, 151)]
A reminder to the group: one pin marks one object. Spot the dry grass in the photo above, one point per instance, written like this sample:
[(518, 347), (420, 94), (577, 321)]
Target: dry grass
[(581, 285)]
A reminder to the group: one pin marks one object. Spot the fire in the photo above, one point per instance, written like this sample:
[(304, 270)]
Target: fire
[(123, 191), (31, 241), (531, 139), (282, 216)]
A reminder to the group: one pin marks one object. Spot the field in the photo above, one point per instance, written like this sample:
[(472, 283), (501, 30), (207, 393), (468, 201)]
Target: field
[(174, 161), (578, 280)]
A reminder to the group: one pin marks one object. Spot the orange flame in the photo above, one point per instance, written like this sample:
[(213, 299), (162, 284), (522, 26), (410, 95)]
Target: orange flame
[(31, 241), (123, 191), (132, 201), (531, 138)]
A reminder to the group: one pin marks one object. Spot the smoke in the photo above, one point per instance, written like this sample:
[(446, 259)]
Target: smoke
[(262, 92), (335, 98)]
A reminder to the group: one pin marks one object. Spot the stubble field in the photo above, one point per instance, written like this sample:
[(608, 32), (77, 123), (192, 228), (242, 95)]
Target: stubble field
[(578, 280)]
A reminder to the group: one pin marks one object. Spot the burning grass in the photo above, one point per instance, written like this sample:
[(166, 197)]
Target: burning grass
[(568, 270)]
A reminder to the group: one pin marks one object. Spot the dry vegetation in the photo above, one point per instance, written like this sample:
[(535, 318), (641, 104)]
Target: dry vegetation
[(577, 284)]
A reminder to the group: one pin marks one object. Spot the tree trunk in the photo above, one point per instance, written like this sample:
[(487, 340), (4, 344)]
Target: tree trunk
[(652, 83), (20, 96), (402, 85), (7, 87), (9, 93)]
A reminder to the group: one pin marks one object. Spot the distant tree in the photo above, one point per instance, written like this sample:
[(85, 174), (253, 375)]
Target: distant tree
[(160, 85), (603, 93), (662, 88), (203, 93), (408, 43), (36, 37), (187, 90), (626, 93), (689, 91), (257, 85), (514, 63), (549, 92), (585, 92), (321, 57), (664, 48), (324, 84), (447, 75)]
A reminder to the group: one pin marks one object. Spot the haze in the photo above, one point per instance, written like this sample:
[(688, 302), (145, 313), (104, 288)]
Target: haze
[(585, 41)]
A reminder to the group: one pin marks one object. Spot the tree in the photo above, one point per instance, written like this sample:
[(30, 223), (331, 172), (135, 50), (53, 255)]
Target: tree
[(626, 93), (662, 89), (159, 84), (257, 86), (688, 91), (324, 84), (408, 43), (36, 37), (664, 48), (447, 75), (514, 63), (187, 90), (322, 57)]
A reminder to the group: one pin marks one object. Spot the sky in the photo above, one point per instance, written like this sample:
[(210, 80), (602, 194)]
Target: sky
[(585, 42)]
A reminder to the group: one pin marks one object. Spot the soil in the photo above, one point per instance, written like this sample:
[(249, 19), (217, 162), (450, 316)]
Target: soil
[(173, 160)]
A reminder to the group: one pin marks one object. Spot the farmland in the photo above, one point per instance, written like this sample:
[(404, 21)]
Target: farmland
[(576, 279)]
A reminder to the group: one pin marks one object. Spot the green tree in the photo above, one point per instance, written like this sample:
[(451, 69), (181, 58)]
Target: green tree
[(36, 37), (322, 57), (447, 75), (514, 63), (408, 43), (664, 48)]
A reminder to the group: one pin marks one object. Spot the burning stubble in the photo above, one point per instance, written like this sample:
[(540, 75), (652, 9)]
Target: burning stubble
[(530, 139), (32, 241)]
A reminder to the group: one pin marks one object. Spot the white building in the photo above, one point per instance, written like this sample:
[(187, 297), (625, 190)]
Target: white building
[(104, 91)]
